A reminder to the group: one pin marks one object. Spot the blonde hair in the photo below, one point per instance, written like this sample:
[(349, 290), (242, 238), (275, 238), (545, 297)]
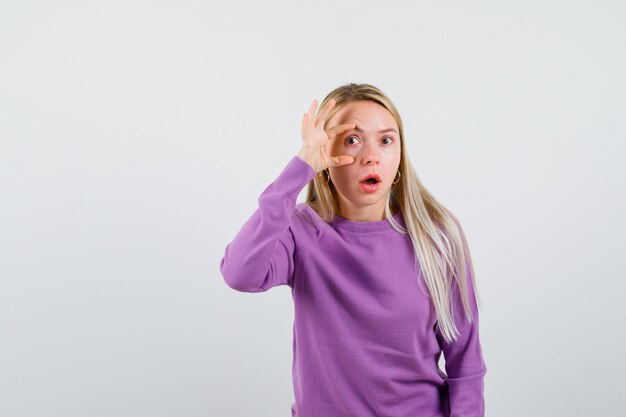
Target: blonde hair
[(438, 239)]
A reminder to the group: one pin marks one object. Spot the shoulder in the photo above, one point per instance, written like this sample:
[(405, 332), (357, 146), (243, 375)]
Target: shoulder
[(306, 224)]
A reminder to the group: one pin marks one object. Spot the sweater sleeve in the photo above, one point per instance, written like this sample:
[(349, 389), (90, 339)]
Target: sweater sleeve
[(261, 254), (465, 366)]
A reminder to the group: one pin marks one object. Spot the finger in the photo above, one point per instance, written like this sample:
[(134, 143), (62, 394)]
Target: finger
[(313, 107), (341, 160), (305, 122), (312, 113), (325, 110), (336, 130), (320, 121)]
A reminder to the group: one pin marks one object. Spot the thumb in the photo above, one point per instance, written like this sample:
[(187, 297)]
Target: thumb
[(341, 160)]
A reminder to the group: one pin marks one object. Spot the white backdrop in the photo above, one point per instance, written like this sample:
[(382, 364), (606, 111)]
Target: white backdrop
[(136, 137)]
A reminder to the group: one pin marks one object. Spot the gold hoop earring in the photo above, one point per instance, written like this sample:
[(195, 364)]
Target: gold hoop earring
[(327, 179), (398, 180)]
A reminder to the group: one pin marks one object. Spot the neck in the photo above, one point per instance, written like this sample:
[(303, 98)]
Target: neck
[(369, 213)]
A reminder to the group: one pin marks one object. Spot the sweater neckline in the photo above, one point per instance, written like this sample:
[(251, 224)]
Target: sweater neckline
[(366, 226)]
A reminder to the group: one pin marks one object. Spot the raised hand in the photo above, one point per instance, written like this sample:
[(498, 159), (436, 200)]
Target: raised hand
[(317, 142)]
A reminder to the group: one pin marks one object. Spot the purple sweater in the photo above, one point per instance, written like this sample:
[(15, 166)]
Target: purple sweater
[(364, 337)]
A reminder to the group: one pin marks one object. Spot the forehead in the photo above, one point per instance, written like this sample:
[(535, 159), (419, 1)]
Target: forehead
[(367, 115)]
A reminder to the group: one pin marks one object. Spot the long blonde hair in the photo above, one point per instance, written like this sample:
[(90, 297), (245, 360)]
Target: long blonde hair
[(438, 239)]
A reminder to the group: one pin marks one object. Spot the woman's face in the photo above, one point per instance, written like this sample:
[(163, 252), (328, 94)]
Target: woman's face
[(375, 145)]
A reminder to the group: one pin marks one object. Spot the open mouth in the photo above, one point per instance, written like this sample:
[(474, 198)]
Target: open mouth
[(370, 183), (370, 179)]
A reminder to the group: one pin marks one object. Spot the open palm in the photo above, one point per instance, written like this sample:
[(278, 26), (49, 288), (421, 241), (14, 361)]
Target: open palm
[(316, 142)]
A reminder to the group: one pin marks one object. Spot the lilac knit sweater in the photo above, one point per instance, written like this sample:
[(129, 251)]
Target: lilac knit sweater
[(364, 336)]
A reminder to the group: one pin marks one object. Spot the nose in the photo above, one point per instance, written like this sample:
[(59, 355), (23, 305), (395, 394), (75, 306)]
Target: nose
[(370, 155)]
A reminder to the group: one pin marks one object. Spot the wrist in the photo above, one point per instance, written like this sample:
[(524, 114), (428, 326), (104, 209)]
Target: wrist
[(307, 156)]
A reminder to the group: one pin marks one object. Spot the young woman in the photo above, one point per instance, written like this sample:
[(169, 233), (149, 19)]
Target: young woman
[(381, 275)]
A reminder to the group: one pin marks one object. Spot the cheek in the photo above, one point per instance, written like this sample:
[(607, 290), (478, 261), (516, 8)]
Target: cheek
[(341, 176), (391, 155), (339, 148), (350, 150)]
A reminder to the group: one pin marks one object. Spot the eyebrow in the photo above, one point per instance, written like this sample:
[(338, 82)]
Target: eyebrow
[(380, 131)]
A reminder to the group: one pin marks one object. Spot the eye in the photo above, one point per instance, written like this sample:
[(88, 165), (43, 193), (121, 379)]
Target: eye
[(390, 140), (349, 138)]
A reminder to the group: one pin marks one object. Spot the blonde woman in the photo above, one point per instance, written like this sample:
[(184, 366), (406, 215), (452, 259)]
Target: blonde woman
[(381, 275)]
